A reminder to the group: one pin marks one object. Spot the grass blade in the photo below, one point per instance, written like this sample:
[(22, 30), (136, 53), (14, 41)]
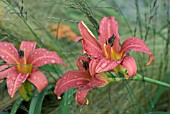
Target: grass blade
[(66, 101), (16, 105), (37, 100)]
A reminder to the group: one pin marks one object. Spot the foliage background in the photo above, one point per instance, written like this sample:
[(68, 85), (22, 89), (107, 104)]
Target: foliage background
[(147, 19)]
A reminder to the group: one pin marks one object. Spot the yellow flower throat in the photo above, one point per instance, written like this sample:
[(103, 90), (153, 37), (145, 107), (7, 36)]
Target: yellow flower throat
[(22, 66)]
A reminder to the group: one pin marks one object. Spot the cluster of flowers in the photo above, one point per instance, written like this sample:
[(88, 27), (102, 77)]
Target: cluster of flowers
[(102, 55)]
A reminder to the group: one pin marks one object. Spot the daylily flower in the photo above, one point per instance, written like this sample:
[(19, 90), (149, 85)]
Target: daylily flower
[(84, 79), (108, 48), (23, 64)]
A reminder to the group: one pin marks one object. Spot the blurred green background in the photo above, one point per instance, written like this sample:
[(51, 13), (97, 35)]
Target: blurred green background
[(42, 21)]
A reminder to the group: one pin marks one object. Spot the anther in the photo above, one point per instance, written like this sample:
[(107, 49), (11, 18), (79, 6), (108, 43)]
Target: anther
[(85, 65), (111, 40), (20, 53)]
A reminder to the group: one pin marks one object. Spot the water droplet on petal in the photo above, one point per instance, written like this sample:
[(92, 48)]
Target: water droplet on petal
[(75, 76), (52, 61), (10, 89), (78, 83), (65, 77)]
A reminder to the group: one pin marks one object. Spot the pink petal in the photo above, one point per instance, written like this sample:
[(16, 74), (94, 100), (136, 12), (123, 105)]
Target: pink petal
[(14, 81), (28, 47), (80, 61), (87, 34), (78, 38), (8, 53), (90, 45), (91, 49), (38, 79), (130, 65), (4, 70), (42, 56), (81, 95), (107, 65), (137, 45), (109, 27), (92, 66), (95, 81), (71, 79)]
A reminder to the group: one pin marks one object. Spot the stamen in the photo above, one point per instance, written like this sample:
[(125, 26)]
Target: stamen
[(111, 40), (85, 64), (20, 53)]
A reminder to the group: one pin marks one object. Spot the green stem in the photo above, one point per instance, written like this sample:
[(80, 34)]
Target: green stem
[(138, 77)]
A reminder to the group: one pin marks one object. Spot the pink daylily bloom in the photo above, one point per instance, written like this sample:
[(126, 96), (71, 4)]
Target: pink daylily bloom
[(112, 56), (84, 79), (23, 64)]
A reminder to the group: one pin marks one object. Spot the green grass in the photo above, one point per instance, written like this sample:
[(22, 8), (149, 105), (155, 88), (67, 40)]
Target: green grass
[(147, 19)]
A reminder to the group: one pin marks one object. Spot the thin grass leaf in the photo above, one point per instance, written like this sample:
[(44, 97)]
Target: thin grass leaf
[(83, 6), (16, 105), (37, 100), (25, 22), (66, 102), (33, 104), (4, 113), (131, 97), (158, 112), (40, 100)]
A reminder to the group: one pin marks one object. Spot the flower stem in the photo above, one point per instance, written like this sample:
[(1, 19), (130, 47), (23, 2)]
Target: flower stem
[(142, 78), (138, 77)]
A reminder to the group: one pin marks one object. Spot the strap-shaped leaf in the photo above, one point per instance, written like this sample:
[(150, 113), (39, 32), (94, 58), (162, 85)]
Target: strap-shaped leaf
[(16, 105), (37, 100)]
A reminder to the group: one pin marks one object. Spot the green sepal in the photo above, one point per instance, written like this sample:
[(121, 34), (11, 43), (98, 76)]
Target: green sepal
[(26, 90)]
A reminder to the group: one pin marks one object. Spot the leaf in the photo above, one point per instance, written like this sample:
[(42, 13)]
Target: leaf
[(66, 102), (158, 112), (4, 113), (16, 105), (37, 100), (33, 104), (40, 100)]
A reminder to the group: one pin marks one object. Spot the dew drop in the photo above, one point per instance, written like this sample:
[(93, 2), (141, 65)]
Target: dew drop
[(75, 76), (65, 77), (52, 61), (78, 83), (45, 62), (10, 89)]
